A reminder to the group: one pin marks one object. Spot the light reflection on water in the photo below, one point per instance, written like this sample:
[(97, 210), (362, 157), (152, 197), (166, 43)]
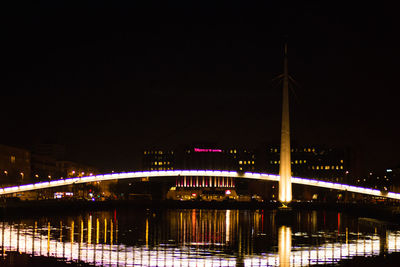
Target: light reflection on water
[(197, 237)]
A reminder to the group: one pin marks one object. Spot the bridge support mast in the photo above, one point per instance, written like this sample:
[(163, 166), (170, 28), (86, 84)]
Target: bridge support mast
[(285, 172)]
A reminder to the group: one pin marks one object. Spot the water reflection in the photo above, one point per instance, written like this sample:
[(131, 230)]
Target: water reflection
[(285, 245), (197, 237)]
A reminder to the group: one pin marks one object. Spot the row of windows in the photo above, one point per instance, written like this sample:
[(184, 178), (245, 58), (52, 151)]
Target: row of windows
[(246, 162), (327, 167), (160, 163), (293, 162), (295, 150)]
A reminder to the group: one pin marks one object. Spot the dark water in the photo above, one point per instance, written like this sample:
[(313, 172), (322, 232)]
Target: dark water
[(192, 238)]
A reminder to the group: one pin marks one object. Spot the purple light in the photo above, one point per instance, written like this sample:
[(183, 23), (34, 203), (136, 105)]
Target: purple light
[(207, 150)]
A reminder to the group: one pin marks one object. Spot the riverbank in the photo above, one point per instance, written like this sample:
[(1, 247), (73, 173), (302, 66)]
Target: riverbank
[(43, 207)]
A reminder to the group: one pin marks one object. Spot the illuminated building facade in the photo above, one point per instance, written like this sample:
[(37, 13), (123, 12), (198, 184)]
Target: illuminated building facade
[(15, 165), (158, 159), (329, 164), (201, 157)]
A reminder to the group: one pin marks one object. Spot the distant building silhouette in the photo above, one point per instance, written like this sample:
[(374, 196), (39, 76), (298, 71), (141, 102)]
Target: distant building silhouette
[(15, 165)]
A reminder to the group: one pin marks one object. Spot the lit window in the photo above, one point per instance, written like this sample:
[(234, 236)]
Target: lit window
[(160, 163), (230, 151), (245, 162), (304, 161), (337, 167), (275, 162), (145, 152), (240, 162), (234, 151), (313, 167), (309, 150), (160, 152), (12, 159), (300, 161), (341, 161), (156, 163), (275, 150), (317, 167), (252, 162), (341, 167), (313, 150), (296, 162), (248, 162)]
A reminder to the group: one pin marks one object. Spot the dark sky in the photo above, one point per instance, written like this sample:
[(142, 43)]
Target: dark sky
[(108, 79)]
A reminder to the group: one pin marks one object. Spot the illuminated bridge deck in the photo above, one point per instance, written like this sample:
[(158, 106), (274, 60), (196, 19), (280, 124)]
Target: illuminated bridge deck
[(199, 173)]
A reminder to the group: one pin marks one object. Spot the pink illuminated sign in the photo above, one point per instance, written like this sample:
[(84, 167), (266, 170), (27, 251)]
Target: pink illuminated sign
[(207, 150)]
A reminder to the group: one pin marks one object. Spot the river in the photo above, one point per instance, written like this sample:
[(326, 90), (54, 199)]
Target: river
[(192, 237)]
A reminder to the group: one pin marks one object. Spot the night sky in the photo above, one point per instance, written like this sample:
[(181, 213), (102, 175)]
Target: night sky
[(108, 80)]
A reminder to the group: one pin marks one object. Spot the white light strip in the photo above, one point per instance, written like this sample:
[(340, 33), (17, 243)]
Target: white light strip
[(205, 173)]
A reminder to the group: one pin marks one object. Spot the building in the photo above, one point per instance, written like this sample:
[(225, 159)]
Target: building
[(43, 167), (201, 157), (385, 180), (158, 159), (15, 165), (68, 169), (54, 151), (393, 178), (316, 162)]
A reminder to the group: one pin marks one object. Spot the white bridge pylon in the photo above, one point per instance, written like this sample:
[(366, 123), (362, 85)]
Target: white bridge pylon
[(204, 173)]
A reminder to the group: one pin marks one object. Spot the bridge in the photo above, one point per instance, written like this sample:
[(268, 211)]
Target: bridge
[(198, 173)]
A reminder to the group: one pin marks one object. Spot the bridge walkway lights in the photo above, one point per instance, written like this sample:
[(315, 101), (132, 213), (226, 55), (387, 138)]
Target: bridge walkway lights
[(204, 173)]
